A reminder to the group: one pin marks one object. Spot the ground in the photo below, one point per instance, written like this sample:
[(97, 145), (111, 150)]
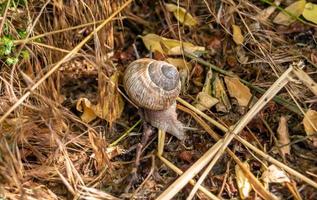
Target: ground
[(63, 106)]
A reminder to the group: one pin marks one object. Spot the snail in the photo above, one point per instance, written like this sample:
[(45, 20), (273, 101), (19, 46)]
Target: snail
[(154, 86)]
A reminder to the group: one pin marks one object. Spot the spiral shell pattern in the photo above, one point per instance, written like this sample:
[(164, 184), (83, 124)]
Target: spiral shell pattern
[(152, 84)]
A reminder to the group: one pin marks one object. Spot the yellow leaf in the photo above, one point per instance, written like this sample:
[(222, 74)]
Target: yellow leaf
[(310, 12), (181, 14), (176, 47), (179, 63), (153, 42), (205, 101), (243, 182), (237, 35), (295, 10), (237, 90), (310, 122), (84, 105), (168, 46)]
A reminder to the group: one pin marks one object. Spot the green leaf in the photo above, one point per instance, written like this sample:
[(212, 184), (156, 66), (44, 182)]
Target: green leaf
[(11, 60), (22, 33), (25, 55), (6, 49)]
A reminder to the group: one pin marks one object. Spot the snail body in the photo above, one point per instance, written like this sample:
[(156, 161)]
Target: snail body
[(154, 86)]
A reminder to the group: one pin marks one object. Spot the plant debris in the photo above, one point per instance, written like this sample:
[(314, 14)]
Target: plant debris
[(68, 129)]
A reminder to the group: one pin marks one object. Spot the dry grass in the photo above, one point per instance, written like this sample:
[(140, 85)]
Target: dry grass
[(70, 49)]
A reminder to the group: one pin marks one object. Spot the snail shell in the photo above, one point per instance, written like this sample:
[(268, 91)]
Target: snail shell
[(152, 84)]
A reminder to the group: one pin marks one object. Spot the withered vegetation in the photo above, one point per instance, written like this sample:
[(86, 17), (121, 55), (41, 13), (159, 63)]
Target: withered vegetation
[(55, 53)]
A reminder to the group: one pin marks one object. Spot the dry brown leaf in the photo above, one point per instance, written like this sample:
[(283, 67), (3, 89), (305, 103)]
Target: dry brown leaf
[(266, 13), (283, 136), (237, 35), (295, 9), (204, 101), (181, 14), (156, 43), (238, 90), (243, 183), (112, 108), (273, 174), (310, 122), (218, 91)]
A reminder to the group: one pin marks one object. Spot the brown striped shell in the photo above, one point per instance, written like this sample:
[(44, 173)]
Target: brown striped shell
[(152, 84)]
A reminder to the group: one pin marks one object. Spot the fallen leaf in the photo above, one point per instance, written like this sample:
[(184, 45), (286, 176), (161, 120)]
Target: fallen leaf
[(266, 13), (84, 105), (274, 174), (218, 91), (283, 136), (181, 14), (168, 46), (310, 12), (204, 101), (112, 106), (310, 122), (180, 63), (238, 90), (294, 10), (153, 42), (207, 85), (243, 183), (237, 35), (241, 55)]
